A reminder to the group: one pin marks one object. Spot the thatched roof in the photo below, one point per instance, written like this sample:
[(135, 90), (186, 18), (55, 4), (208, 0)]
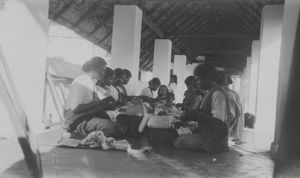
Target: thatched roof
[(221, 30)]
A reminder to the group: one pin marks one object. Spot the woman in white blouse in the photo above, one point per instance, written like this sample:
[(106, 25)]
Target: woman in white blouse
[(153, 85), (83, 95)]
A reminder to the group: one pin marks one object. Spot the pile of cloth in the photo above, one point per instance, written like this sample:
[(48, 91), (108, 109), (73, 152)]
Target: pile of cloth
[(97, 139)]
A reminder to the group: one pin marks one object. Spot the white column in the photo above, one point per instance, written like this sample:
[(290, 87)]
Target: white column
[(180, 70), (162, 60), (236, 85), (254, 76), (126, 40), (290, 22), (23, 39), (268, 73), (247, 78), (242, 88)]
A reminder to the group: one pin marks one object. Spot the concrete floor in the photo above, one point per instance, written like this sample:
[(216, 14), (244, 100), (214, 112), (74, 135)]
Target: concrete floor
[(241, 161)]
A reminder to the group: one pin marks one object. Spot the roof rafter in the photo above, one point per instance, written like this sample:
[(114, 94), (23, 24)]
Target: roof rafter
[(186, 25), (100, 25), (87, 14), (238, 52), (189, 44), (148, 21), (182, 1), (216, 35), (63, 9)]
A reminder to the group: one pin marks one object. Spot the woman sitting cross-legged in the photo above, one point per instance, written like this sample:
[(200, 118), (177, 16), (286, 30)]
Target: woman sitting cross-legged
[(147, 93), (167, 107), (84, 111), (211, 118)]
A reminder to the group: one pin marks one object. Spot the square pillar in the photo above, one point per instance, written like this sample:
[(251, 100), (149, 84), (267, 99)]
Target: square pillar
[(287, 117), (23, 39), (126, 40), (254, 76), (180, 70), (247, 76), (242, 88), (271, 29), (162, 60)]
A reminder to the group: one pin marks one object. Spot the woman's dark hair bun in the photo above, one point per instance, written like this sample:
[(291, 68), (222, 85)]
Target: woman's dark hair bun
[(154, 81), (207, 71)]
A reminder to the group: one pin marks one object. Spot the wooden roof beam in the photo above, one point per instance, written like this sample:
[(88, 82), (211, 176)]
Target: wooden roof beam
[(186, 25), (63, 9), (105, 37), (142, 60), (157, 30), (172, 17), (221, 52), (243, 25), (153, 26), (248, 21), (181, 17), (200, 27), (187, 45), (163, 12), (214, 36), (100, 25), (170, 1), (148, 41), (190, 44), (86, 15), (145, 56), (148, 64), (148, 21)]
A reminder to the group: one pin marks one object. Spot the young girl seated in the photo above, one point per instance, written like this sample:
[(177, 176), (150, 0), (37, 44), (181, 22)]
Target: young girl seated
[(167, 107)]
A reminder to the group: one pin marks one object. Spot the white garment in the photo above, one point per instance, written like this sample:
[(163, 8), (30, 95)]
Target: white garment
[(218, 108), (102, 92), (147, 92), (234, 105), (113, 92), (172, 88), (120, 89), (81, 91)]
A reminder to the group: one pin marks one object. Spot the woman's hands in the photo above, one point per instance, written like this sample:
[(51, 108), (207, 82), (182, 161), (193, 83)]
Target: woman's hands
[(184, 131)]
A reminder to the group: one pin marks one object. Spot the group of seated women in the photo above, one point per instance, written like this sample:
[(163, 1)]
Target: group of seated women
[(204, 120)]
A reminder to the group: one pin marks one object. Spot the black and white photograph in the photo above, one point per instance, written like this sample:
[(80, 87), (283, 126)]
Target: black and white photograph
[(149, 88)]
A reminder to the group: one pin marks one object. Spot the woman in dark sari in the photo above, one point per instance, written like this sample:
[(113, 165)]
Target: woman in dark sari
[(211, 118)]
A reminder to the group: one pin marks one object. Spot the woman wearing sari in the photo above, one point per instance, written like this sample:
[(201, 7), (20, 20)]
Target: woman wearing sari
[(235, 106), (210, 133)]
